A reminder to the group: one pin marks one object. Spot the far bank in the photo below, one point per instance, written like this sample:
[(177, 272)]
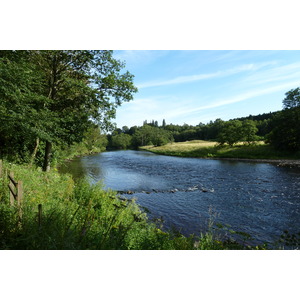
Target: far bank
[(259, 152)]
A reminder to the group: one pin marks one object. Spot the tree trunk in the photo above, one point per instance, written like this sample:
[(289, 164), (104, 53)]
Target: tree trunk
[(37, 143), (47, 158)]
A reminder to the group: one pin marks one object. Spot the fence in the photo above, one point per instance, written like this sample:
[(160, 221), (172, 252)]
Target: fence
[(16, 193), (15, 190)]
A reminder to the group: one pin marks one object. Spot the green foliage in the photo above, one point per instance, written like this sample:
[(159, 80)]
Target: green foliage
[(235, 131), (292, 99), (121, 141), (249, 130), (286, 132), (143, 136), (56, 96), (93, 142), (150, 135), (231, 133)]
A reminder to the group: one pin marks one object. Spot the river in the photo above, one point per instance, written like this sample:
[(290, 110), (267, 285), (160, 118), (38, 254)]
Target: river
[(260, 199)]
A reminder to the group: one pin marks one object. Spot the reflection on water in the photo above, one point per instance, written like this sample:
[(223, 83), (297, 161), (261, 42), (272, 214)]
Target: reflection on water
[(257, 198)]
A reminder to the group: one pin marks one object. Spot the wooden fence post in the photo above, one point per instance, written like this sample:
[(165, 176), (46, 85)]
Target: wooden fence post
[(11, 187), (40, 215), (15, 192), (20, 197)]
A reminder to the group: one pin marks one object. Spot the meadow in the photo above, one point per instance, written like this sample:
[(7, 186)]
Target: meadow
[(210, 149)]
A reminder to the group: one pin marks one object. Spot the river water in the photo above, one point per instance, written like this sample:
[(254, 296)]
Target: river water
[(260, 199)]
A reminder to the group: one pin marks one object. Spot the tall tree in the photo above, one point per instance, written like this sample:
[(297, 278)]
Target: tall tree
[(231, 133), (249, 131)]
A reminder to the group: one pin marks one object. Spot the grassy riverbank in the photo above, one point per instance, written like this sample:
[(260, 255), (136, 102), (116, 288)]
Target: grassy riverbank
[(80, 216), (207, 149)]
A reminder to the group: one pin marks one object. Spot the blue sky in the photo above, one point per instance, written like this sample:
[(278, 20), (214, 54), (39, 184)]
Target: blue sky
[(193, 86)]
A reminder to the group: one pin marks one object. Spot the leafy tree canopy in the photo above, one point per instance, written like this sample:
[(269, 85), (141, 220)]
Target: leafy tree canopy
[(57, 95), (292, 98)]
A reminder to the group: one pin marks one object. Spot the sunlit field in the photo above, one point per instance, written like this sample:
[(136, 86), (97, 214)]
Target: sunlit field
[(208, 149), (183, 146)]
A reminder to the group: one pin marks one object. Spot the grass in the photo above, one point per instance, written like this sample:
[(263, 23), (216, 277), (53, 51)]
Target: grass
[(207, 149)]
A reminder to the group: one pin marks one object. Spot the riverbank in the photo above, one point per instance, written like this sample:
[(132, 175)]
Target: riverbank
[(210, 150), (57, 213)]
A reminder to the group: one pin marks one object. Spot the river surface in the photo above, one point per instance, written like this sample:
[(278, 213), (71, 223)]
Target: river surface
[(260, 199)]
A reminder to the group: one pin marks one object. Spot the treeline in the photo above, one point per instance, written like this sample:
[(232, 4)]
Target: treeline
[(250, 129), (280, 129), (135, 137)]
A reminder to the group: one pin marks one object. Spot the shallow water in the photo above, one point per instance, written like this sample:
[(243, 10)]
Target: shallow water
[(258, 198)]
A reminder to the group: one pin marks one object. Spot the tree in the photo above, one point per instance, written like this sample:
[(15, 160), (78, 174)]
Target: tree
[(93, 140), (231, 133), (21, 105), (285, 134), (125, 129), (286, 130), (142, 136), (121, 141), (212, 129), (71, 91), (249, 131), (292, 99), (149, 135)]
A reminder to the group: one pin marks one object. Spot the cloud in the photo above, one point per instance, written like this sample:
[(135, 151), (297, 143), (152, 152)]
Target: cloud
[(278, 73), (198, 77), (238, 98), (173, 110)]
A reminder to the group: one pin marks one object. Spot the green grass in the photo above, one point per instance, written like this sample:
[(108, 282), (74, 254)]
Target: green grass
[(206, 149)]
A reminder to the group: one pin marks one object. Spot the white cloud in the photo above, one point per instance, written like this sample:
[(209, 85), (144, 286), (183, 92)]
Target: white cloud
[(241, 97), (198, 77)]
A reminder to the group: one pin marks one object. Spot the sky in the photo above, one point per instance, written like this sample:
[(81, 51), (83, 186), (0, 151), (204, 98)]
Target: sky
[(193, 86)]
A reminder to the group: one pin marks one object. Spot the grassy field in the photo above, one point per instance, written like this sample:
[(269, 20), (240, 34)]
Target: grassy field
[(207, 149)]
